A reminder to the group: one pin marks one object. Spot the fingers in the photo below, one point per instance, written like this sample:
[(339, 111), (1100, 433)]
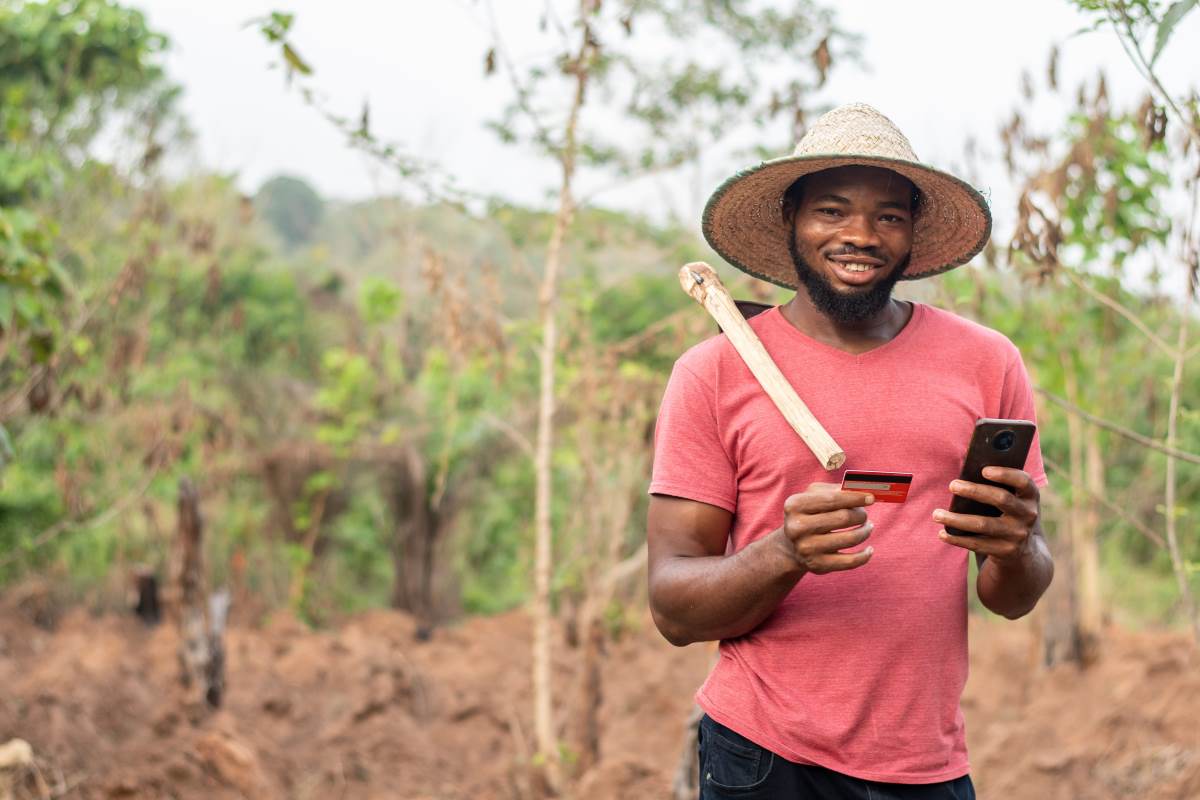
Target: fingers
[(822, 497), (833, 542), (820, 553), (839, 562), (821, 521), (985, 545), (972, 523), (1008, 503), (1018, 479), (799, 525)]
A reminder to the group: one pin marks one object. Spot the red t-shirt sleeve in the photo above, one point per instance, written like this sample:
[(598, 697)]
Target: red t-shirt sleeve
[(1016, 402), (690, 460)]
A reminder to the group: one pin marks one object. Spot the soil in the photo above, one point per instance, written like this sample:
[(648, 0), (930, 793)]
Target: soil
[(365, 710)]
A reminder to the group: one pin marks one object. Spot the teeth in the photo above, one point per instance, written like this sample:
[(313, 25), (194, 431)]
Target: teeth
[(856, 267)]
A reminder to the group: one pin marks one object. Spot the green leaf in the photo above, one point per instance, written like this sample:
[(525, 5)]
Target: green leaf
[(28, 305), (282, 21), (379, 300), (1170, 19), (6, 448), (6, 307), (391, 434), (295, 61)]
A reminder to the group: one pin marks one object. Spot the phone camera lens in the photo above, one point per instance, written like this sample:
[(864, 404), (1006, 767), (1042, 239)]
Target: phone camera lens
[(1004, 440)]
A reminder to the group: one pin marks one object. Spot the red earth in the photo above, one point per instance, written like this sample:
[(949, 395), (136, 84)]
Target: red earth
[(363, 710)]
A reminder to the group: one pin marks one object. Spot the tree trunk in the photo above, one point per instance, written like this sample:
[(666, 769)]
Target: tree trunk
[(196, 655), (585, 625), (1056, 613), (1177, 562), (214, 671), (544, 730), (1091, 604), (148, 606), (1063, 637), (1082, 521), (686, 784), (543, 722), (585, 736), (416, 528)]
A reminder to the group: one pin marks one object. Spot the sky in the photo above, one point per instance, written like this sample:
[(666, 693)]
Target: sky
[(944, 70)]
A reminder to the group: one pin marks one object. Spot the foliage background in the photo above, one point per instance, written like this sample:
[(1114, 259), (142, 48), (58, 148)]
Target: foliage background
[(330, 372)]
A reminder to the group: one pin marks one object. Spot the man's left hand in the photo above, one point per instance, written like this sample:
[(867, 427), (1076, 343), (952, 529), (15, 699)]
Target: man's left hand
[(1005, 538)]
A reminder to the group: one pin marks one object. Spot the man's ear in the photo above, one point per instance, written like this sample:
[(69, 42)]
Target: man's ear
[(788, 208), (790, 202), (917, 201)]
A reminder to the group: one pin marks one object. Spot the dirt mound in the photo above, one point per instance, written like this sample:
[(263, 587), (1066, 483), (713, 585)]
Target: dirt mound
[(1127, 727), (366, 711)]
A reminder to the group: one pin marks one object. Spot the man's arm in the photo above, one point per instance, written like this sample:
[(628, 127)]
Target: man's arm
[(698, 593), (1015, 566)]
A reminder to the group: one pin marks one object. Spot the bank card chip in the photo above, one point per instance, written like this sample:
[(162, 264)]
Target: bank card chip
[(887, 487)]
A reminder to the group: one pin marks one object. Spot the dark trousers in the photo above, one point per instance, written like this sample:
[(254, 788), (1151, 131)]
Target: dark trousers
[(733, 766)]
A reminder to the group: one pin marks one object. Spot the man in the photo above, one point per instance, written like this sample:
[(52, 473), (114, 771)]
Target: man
[(842, 621)]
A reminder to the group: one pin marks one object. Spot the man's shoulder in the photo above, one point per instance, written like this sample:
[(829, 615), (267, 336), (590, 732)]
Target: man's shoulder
[(960, 331), (715, 353), (704, 357)]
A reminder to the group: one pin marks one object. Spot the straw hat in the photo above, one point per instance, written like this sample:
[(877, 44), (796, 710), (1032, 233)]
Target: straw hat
[(744, 222)]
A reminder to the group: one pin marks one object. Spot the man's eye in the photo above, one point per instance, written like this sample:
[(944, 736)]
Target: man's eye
[(892, 218), (833, 212)]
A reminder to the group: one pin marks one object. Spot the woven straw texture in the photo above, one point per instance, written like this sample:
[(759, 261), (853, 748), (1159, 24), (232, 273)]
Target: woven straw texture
[(743, 220)]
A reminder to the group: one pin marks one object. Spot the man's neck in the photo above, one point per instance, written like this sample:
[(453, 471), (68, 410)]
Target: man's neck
[(853, 337)]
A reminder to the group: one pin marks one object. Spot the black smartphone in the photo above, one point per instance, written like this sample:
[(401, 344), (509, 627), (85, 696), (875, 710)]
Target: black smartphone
[(995, 443)]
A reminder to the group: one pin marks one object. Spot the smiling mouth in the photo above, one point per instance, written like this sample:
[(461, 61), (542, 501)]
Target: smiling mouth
[(857, 264)]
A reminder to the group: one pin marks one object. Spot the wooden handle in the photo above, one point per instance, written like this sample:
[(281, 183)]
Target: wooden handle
[(699, 280)]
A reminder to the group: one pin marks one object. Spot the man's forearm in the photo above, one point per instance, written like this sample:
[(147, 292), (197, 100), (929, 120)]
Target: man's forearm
[(699, 599), (1012, 589)]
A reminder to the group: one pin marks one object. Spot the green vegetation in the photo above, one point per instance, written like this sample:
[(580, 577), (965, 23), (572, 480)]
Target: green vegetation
[(353, 386), (291, 207)]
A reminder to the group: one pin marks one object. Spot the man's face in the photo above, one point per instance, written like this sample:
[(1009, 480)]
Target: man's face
[(851, 239)]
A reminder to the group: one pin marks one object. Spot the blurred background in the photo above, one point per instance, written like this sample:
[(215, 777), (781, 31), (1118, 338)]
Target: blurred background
[(332, 337)]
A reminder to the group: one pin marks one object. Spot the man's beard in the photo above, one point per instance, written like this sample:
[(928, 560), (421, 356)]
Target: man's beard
[(844, 307)]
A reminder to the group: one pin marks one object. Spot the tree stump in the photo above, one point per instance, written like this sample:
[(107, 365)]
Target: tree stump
[(147, 606), (201, 620)]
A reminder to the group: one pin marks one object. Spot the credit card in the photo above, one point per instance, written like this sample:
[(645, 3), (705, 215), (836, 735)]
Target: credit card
[(888, 487)]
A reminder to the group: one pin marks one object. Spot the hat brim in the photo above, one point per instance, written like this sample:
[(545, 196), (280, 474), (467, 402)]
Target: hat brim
[(743, 220)]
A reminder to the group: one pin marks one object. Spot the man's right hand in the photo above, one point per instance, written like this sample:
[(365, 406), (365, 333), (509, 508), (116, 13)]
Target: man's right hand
[(811, 519), (700, 592)]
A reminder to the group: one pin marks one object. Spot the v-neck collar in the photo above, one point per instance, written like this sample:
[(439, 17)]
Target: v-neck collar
[(895, 343)]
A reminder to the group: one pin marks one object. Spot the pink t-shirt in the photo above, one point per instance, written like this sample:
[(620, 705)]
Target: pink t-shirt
[(858, 671)]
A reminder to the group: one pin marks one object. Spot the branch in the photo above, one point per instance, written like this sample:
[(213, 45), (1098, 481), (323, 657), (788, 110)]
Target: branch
[(522, 93), (1144, 441), (1139, 526), (1134, 51), (635, 341), (518, 438), (429, 178), (1124, 311), (625, 180), (624, 569)]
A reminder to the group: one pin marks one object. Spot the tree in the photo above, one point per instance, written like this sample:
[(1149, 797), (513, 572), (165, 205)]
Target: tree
[(291, 206), (672, 104), (668, 105), (66, 69), (1135, 22), (1091, 214)]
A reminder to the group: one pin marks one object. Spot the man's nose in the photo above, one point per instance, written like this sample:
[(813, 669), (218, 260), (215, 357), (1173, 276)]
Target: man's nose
[(859, 231)]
